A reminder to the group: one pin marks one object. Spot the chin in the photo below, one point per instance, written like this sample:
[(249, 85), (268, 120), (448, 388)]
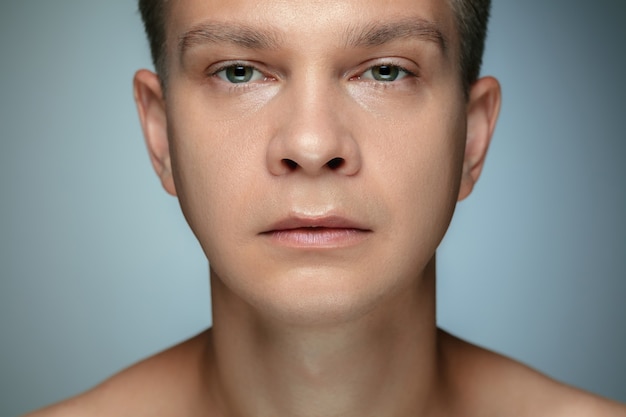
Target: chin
[(310, 296)]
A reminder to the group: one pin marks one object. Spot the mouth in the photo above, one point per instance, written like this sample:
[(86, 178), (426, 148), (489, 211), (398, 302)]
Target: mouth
[(319, 232)]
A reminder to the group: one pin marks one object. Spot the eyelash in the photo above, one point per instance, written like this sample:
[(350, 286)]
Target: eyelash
[(214, 73), (391, 64), (229, 65), (244, 84)]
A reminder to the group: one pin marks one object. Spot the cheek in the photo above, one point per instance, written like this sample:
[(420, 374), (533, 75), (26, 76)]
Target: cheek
[(418, 169), (216, 171)]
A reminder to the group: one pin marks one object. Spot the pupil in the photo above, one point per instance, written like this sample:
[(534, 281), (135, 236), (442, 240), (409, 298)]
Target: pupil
[(385, 70), (240, 71)]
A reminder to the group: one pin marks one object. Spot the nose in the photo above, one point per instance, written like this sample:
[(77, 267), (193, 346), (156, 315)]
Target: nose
[(313, 135)]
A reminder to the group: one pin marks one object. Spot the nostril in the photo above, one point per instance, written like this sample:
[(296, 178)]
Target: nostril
[(335, 163), (291, 164)]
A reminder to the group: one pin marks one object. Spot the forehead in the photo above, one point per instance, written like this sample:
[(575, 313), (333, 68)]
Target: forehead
[(307, 20)]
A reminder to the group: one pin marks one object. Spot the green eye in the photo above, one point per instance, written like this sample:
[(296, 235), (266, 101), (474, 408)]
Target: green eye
[(385, 73), (238, 74)]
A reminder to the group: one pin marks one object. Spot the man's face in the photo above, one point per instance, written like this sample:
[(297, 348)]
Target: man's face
[(316, 146)]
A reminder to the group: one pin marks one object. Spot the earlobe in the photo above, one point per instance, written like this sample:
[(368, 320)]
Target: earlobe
[(483, 108), (151, 107)]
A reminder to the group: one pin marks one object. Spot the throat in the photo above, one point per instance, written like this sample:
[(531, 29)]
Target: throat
[(382, 362)]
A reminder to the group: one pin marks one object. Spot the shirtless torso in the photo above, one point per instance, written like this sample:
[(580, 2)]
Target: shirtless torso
[(484, 384)]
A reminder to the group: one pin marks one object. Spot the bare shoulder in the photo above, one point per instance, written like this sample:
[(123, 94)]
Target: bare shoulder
[(491, 384), (156, 386)]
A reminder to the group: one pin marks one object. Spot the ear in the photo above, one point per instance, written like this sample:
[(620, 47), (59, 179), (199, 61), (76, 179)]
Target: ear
[(151, 107), (482, 113)]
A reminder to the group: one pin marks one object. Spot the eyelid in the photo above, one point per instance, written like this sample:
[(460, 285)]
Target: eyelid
[(387, 62), (215, 69), (404, 73)]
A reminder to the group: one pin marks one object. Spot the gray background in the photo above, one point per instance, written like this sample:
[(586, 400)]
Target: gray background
[(98, 268)]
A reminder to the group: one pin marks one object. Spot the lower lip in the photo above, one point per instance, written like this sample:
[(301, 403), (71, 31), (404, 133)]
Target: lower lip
[(314, 237)]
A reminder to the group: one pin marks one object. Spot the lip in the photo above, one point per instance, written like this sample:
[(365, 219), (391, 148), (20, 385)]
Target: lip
[(317, 232)]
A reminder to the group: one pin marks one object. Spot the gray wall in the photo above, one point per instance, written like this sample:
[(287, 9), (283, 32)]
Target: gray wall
[(98, 268)]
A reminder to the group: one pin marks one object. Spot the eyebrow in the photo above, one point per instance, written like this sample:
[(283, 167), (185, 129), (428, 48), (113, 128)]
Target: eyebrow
[(236, 34), (370, 35), (376, 34)]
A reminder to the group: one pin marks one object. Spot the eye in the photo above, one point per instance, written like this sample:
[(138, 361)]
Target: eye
[(385, 73), (238, 74)]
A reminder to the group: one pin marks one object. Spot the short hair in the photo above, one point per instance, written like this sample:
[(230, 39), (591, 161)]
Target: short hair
[(472, 17)]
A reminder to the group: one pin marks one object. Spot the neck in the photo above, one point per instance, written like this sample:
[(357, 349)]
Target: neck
[(384, 363)]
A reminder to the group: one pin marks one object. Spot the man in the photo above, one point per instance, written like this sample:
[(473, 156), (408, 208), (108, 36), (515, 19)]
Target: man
[(318, 150)]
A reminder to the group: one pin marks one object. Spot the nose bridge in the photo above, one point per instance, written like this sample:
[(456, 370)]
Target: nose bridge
[(313, 135)]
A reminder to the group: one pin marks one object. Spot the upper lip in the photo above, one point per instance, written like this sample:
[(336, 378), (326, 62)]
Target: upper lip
[(329, 222)]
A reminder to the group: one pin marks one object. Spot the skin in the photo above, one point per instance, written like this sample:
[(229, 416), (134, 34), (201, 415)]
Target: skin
[(319, 194)]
